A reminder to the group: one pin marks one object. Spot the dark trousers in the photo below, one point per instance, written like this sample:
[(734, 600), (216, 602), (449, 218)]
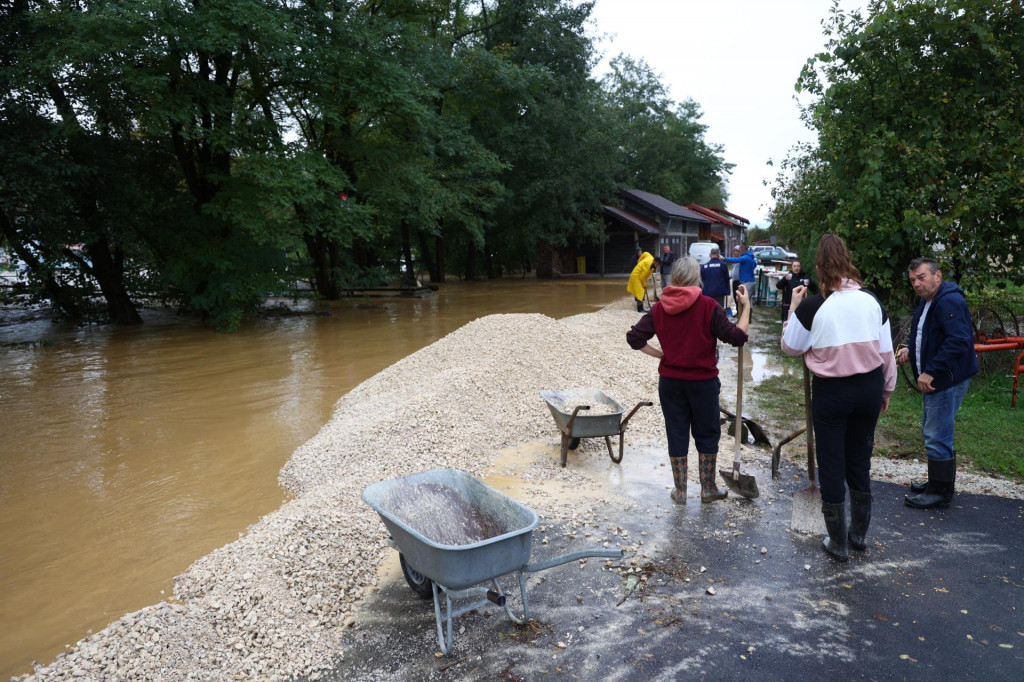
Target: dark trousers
[(784, 309), (690, 406), (845, 411)]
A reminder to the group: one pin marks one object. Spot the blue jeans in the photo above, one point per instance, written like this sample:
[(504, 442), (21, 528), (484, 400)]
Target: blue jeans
[(937, 418)]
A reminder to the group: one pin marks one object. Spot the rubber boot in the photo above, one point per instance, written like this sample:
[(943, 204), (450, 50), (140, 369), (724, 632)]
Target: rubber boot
[(860, 519), (938, 493), (679, 477), (836, 544), (708, 491), (917, 487), (640, 306)]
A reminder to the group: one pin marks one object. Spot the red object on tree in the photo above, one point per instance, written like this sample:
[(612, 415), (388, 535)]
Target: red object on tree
[(343, 196)]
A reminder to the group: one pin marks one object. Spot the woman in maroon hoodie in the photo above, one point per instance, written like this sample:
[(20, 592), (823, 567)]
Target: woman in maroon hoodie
[(688, 326)]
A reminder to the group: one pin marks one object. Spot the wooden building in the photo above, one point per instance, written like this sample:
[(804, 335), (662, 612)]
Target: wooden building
[(646, 220)]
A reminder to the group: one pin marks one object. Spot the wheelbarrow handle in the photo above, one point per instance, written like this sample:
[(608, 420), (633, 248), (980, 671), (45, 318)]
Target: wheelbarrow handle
[(568, 424), (573, 556), (642, 403)]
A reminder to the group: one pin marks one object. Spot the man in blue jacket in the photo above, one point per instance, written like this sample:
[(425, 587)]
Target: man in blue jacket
[(715, 276), (941, 352), (747, 264)]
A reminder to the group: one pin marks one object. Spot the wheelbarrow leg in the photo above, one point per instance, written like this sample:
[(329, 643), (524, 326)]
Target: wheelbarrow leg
[(505, 604), (622, 430), (565, 449), (442, 641)]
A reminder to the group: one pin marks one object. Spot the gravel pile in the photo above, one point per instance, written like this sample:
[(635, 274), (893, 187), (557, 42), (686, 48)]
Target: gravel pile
[(277, 602)]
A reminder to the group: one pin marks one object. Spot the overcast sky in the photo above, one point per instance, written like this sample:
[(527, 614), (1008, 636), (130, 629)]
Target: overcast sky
[(739, 60)]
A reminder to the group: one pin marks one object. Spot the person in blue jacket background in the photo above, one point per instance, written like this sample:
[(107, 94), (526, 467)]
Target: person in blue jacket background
[(940, 349), (715, 275), (747, 264)]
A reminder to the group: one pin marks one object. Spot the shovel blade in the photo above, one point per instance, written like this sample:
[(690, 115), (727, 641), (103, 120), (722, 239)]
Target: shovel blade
[(807, 517), (743, 485)]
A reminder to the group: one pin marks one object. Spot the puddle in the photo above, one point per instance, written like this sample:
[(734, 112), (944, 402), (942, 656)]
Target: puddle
[(764, 366)]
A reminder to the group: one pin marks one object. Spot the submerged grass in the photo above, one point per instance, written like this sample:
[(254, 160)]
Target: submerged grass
[(987, 426)]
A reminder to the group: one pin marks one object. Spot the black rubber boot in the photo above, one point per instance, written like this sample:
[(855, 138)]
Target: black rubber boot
[(918, 487), (640, 306), (835, 521), (938, 493), (860, 519)]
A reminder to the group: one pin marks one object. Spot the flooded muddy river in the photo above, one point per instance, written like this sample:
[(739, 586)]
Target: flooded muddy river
[(126, 454)]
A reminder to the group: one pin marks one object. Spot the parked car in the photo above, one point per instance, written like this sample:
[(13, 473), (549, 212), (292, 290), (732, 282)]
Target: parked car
[(701, 251), (772, 253)]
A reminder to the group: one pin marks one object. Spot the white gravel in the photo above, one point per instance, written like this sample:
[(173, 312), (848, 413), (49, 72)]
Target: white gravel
[(276, 603)]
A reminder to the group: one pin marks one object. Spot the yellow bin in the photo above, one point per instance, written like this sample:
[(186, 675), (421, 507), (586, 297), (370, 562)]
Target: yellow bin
[(581, 265)]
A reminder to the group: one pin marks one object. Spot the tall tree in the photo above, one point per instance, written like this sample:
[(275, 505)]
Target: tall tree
[(661, 143), (919, 109)]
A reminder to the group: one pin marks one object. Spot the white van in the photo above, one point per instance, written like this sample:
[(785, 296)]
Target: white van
[(701, 251)]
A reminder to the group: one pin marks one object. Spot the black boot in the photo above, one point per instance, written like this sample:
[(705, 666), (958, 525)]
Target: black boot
[(938, 492), (917, 487), (860, 519), (835, 521), (640, 306)]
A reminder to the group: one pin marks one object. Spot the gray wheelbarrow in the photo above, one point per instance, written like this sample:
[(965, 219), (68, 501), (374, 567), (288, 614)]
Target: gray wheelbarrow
[(453, 532), (566, 406)]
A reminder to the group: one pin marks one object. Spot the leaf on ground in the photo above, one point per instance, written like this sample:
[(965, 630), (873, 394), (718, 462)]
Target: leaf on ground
[(882, 618)]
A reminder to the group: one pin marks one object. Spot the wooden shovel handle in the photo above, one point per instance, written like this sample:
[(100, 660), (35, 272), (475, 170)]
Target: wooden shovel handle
[(810, 423), (739, 404)]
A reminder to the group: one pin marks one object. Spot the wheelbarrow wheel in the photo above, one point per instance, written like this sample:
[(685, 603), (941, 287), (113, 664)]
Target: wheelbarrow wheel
[(574, 443), (419, 583)]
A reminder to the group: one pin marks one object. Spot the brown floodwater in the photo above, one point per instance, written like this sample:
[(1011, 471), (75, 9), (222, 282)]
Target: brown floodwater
[(127, 454)]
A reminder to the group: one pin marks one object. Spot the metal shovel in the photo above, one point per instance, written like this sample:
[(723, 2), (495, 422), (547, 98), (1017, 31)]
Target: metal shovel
[(807, 502), (741, 484)]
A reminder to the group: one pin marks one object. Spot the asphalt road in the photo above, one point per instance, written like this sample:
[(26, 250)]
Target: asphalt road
[(939, 595)]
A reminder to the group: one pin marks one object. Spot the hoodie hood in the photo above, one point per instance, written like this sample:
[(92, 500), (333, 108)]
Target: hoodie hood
[(679, 299), (947, 288)]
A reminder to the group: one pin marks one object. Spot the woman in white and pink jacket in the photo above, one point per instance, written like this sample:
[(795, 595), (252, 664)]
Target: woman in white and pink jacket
[(844, 337)]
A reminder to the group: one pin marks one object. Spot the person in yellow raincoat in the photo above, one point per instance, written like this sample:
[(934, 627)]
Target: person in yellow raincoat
[(638, 279)]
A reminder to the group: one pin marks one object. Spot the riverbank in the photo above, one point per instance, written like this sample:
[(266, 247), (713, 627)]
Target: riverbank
[(279, 602)]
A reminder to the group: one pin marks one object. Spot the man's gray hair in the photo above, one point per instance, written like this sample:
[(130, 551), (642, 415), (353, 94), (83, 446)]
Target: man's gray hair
[(714, 250), (933, 265), (686, 273)]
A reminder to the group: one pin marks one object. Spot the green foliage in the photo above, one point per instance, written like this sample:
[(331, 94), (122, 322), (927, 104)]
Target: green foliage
[(918, 109), (198, 149), (985, 420), (661, 143)]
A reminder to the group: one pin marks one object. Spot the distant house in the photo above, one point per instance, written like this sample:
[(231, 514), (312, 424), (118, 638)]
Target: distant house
[(646, 220), (726, 228)]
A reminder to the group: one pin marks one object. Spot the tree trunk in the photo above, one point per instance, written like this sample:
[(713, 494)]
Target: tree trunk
[(110, 276), (471, 273), (439, 242), (409, 276), (427, 257), (323, 279)]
